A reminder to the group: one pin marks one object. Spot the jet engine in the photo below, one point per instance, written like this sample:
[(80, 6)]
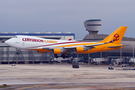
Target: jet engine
[(56, 51), (79, 49)]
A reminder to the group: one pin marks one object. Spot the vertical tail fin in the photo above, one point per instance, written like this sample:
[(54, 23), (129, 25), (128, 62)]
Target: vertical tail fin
[(116, 36)]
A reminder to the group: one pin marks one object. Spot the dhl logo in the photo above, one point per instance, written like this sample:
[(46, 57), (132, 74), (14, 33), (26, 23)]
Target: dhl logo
[(39, 40)]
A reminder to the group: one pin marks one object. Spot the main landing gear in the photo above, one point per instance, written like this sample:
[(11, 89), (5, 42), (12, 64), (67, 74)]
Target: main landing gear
[(63, 55), (75, 63), (55, 55)]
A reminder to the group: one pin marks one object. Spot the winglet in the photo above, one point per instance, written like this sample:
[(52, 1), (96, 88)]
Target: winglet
[(116, 36)]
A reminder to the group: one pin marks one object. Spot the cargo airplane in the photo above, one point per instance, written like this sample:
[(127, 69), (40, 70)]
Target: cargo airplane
[(64, 47)]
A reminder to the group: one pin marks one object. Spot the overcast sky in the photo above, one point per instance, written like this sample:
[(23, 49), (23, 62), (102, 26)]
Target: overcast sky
[(66, 15)]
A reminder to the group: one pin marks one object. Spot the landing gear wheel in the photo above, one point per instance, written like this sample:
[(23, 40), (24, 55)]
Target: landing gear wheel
[(17, 52), (55, 55), (64, 55)]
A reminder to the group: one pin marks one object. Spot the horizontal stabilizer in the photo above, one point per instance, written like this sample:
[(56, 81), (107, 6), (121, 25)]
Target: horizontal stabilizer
[(115, 46)]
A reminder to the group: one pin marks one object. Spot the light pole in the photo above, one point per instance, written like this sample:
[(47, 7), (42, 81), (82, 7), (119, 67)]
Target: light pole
[(88, 59), (120, 53), (133, 51)]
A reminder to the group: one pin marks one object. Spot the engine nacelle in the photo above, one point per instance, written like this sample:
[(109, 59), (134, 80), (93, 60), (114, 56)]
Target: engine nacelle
[(79, 49), (56, 51)]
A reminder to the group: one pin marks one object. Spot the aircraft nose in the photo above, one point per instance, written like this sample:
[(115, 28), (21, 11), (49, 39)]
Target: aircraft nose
[(7, 42)]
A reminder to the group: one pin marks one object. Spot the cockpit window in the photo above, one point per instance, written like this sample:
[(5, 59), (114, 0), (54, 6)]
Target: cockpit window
[(15, 37)]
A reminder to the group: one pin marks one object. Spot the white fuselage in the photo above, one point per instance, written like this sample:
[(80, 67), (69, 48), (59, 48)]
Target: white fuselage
[(32, 42)]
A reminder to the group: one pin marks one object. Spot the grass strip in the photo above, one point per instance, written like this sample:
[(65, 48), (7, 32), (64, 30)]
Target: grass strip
[(3, 86)]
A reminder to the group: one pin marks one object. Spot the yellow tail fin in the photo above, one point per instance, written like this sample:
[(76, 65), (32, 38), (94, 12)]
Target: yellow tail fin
[(116, 36)]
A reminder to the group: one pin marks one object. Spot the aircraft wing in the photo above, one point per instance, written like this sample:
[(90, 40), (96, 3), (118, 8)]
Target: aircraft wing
[(73, 49), (94, 45), (86, 47)]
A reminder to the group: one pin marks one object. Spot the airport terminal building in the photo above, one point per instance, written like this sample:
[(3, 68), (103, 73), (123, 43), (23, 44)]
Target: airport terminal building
[(8, 54)]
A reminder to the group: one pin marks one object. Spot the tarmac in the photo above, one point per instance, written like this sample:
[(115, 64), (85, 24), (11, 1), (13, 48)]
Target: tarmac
[(64, 77)]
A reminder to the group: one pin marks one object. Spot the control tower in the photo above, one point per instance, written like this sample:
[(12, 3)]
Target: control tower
[(92, 25)]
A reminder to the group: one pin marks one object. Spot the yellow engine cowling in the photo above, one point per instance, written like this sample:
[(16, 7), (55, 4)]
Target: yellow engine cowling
[(79, 49), (56, 51)]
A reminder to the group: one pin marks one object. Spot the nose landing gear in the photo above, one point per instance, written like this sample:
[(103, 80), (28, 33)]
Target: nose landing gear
[(17, 51)]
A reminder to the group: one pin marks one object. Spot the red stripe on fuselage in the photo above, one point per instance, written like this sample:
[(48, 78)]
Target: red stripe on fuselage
[(57, 44)]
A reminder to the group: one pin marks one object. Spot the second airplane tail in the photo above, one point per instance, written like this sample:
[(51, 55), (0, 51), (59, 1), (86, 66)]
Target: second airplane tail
[(116, 36)]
